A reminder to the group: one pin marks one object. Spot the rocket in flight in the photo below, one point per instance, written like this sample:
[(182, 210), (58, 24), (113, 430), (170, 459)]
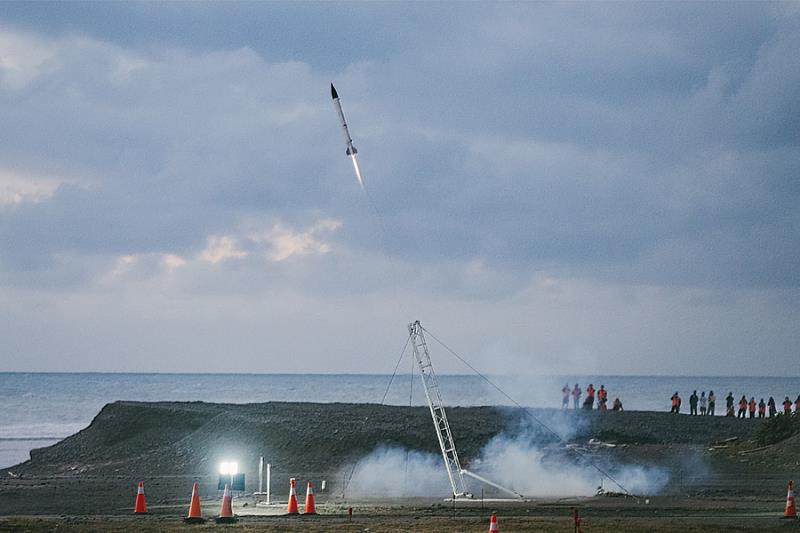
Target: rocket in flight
[(351, 149)]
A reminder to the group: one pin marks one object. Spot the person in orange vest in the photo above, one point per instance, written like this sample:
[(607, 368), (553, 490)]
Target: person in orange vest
[(576, 396), (742, 407), (602, 398), (588, 403), (787, 406), (752, 407), (565, 397), (762, 409), (676, 403)]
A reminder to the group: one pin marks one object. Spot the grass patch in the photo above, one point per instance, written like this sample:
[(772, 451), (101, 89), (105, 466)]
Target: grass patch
[(777, 428)]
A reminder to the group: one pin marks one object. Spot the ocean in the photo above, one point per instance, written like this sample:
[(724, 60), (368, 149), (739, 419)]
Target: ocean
[(39, 409)]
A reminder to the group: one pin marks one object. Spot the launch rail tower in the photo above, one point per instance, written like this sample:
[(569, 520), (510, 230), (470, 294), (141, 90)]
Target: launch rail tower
[(448, 446)]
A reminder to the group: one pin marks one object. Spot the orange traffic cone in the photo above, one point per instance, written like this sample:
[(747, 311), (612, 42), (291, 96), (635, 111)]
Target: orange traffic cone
[(790, 511), (493, 524), (226, 512), (309, 508), (292, 508), (195, 516), (140, 508)]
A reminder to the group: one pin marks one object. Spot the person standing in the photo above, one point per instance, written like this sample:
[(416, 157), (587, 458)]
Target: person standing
[(576, 397), (676, 403), (729, 404), (693, 403), (565, 397), (588, 403), (602, 399), (703, 403), (712, 402), (617, 405), (742, 407), (751, 407), (797, 404), (787, 406), (762, 408), (771, 407)]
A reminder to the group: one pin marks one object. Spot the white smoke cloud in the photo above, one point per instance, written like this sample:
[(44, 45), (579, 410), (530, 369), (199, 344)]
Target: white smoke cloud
[(395, 472), (520, 462)]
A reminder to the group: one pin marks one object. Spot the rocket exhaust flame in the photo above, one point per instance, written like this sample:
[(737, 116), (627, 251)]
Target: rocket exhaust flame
[(358, 171)]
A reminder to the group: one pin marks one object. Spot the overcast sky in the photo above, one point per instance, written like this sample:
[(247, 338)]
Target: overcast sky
[(563, 188)]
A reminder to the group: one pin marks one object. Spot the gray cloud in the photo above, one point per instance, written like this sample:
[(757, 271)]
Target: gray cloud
[(608, 146)]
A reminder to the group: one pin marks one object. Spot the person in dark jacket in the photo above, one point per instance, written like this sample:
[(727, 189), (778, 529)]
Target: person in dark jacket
[(771, 407), (693, 403), (729, 404)]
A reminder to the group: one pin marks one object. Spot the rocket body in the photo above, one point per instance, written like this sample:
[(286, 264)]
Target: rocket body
[(351, 150)]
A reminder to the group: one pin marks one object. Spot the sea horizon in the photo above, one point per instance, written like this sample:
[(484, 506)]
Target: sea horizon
[(546, 375)]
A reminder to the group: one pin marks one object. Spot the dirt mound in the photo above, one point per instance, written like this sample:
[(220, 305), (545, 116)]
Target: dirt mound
[(189, 438), (170, 445), (147, 439)]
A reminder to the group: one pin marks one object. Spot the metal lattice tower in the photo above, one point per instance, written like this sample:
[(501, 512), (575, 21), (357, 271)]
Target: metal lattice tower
[(431, 386)]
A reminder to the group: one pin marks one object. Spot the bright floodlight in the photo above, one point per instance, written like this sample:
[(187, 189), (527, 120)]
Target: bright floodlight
[(228, 468)]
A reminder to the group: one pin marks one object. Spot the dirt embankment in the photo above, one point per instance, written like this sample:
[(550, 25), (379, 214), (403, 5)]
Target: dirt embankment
[(171, 444), (188, 438)]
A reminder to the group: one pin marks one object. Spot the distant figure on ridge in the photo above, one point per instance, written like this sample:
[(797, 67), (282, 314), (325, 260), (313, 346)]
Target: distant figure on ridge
[(588, 403), (693, 403), (762, 408), (751, 407), (617, 405), (565, 397), (787, 406), (576, 396), (602, 399), (742, 407), (771, 407), (729, 404), (703, 403), (712, 402), (676, 403)]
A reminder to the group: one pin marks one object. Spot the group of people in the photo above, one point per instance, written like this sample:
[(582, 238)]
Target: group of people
[(707, 405), (588, 403)]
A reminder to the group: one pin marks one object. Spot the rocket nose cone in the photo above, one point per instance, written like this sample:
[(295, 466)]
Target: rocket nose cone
[(334, 94)]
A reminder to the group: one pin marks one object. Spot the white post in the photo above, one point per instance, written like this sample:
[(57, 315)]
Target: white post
[(261, 473), (269, 468)]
